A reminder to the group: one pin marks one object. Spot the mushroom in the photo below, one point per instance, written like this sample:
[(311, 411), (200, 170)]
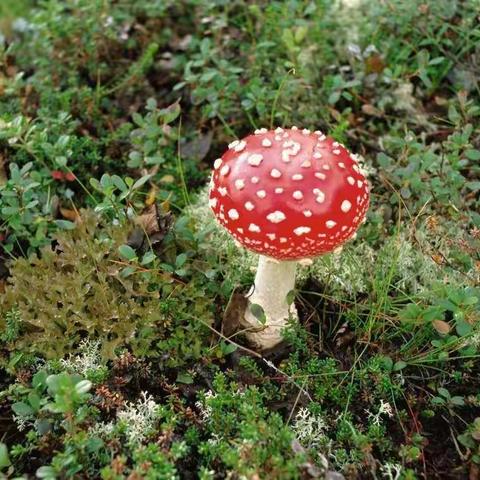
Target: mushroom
[(288, 195)]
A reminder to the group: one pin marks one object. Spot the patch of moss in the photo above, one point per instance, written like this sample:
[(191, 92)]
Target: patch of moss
[(77, 289)]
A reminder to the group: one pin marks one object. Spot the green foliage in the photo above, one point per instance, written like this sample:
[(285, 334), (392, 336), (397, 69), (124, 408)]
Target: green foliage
[(80, 289), (243, 435)]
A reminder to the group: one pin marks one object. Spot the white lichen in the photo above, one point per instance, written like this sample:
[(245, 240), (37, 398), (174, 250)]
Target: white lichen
[(138, 418), (310, 430), (87, 361)]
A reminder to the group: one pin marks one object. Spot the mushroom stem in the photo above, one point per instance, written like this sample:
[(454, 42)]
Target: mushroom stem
[(273, 281)]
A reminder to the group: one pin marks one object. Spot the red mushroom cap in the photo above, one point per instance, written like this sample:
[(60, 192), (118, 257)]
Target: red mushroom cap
[(289, 193)]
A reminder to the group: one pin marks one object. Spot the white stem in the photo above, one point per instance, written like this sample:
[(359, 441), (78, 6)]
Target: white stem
[(273, 281)]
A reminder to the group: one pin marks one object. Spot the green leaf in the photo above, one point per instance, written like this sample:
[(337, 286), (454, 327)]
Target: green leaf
[(4, 459), (65, 224), (183, 377), (181, 259), (463, 328), (258, 313), (228, 348), (83, 386), (22, 409), (34, 400), (127, 252), (290, 297), (149, 257), (444, 392), (457, 400), (10, 210), (96, 184), (386, 362), (141, 181), (473, 154), (46, 472), (39, 379), (119, 183), (400, 365)]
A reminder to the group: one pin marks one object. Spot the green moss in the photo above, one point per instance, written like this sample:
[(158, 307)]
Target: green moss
[(76, 289)]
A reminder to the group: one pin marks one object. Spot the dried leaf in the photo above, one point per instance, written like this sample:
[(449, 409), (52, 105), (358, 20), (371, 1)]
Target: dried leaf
[(71, 215), (198, 148), (150, 200), (442, 327), (3, 171), (369, 109), (152, 226), (234, 313), (374, 64)]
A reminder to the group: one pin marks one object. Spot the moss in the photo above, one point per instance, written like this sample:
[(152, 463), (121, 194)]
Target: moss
[(76, 289)]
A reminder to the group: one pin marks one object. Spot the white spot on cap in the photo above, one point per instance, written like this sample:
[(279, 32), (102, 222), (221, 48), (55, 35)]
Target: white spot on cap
[(279, 190), (294, 127), (276, 173), (320, 196), (239, 184), (330, 223), (306, 131), (341, 164), (254, 179), (253, 228), (276, 217), (261, 194), (286, 156), (225, 169), (266, 142), (271, 236), (217, 163), (278, 130), (307, 213), (320, 175), (317, 155), (240, 230), (351, 180), (260, 131), (297, 195), (233, 144), (301, 230), (346, 206), (306, 164), (335, 144), (326, 167), (222, 191), (283, 240), (233, 214), (249, 206), (359, 184), (212, 202), (336, 151), (255, 159), (240, 146), (297, 176)]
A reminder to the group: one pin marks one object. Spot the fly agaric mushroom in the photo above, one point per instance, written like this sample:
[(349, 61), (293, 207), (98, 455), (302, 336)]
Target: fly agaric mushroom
[(289, 195)]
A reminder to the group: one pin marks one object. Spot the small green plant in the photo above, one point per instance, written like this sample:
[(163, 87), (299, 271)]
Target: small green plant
[(471, 440)]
